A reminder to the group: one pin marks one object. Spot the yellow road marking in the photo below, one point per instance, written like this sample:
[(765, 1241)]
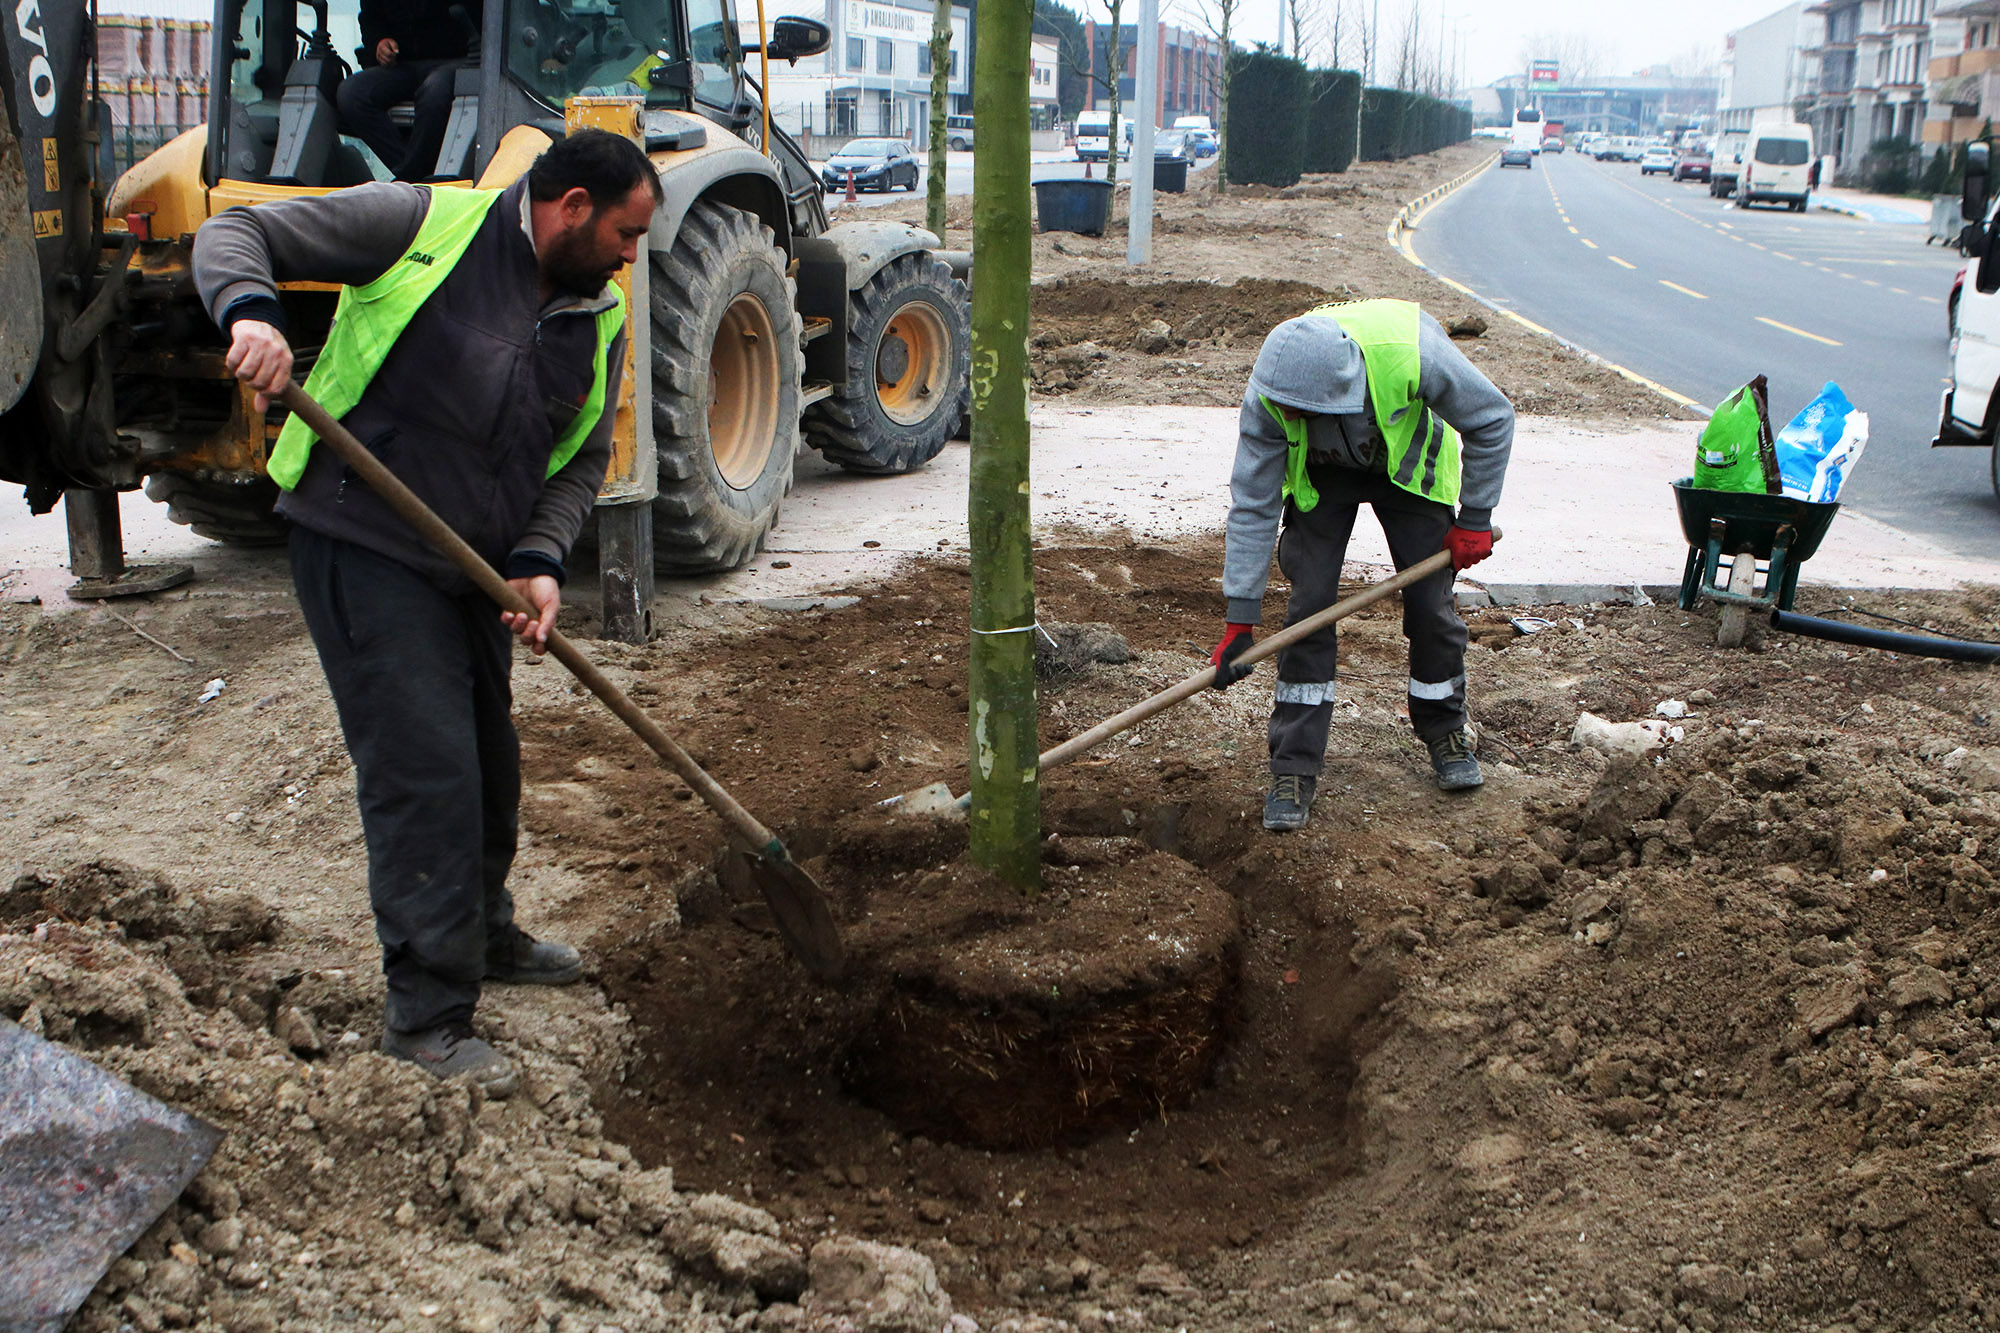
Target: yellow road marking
[(1932, 299), (1830, 342), (1865, 282), (1621, 263), (1780, 254), (1900, 291), (1685, 291), (1572, 231), (1592, 244), (1754, 246)]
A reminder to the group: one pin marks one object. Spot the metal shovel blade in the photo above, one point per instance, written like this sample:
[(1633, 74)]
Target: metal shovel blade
[(86, 1164), (935, 799), (798, 908)]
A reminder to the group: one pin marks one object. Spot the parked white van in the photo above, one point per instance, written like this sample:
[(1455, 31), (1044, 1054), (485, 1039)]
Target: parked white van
[(1093, 136), (1726, 163), (1777, 167), (1971, 410), (958, 133)]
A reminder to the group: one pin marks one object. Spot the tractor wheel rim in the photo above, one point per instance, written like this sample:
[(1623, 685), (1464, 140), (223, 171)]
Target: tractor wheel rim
[(911, 384), (743, 392)]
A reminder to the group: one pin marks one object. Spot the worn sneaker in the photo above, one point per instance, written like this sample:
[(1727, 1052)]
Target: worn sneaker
[(1452, 761), (527, 961), (450, 1050), (1290, 800)]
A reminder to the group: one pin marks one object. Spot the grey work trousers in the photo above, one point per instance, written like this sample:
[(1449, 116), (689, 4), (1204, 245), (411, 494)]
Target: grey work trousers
[(1310, 552), (420, 680)]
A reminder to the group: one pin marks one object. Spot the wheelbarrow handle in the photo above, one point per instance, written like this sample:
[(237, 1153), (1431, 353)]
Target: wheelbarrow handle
[(1256, 652)]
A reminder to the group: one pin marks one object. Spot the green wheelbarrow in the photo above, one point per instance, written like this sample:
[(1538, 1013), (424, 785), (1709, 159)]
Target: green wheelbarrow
[(1729, 534)]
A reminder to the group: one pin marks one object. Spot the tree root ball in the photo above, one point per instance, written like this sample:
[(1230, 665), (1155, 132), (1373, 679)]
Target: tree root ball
[(1008, 1023)]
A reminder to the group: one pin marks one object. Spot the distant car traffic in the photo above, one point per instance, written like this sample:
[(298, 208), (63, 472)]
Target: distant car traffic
[(1203, 143), (1517, 155), (958, 133), (877, 164), (1552, 145), (1171, 146), (1693, 163), (1656, 159)]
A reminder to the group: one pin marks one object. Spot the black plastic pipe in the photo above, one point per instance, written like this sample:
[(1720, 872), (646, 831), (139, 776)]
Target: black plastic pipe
[(1864, 636)]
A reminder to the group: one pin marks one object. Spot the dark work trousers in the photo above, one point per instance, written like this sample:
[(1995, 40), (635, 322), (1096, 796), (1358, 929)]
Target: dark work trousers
[(365, 98), (419, 677), (1310, 551)]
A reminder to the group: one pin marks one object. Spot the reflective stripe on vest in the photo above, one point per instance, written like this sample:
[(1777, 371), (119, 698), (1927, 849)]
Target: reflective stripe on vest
[(1421, 450), (370, 318)]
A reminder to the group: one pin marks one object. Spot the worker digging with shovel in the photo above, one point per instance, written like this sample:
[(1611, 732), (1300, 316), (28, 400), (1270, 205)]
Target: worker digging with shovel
[(1367, 402), (477, 352)]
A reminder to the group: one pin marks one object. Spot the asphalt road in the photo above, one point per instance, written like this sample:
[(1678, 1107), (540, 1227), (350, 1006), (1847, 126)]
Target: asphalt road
[(1700, 296)]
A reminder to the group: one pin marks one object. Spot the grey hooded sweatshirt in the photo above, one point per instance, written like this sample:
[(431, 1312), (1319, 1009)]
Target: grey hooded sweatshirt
[(1312, 364)]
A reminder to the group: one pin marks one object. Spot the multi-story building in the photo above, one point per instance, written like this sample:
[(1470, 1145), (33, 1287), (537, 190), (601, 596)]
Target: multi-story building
[(1190, 72), (875, 77), (1763, 72), (1864, 75), (1962, 92), (1649, 102)]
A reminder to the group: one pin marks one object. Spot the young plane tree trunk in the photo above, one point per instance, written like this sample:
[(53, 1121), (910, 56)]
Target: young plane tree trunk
[(940, 91), (1006, 812)]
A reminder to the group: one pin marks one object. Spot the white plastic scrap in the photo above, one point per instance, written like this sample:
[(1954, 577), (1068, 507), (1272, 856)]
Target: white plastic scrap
[(1671, 708), (1622, 738), (213, 689)]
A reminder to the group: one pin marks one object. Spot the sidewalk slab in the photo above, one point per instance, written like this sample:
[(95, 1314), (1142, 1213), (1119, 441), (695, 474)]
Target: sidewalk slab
[(1587, 515), (1873, 207)]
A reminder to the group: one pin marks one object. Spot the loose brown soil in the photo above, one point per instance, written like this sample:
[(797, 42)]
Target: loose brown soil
[(1229, 266), (1702, 1042)]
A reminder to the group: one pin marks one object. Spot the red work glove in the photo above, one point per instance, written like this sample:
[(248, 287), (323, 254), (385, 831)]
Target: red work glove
[(1235, 638), (1467, 548)]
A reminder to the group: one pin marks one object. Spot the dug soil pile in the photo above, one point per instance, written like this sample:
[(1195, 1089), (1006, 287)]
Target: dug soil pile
[(1701, 1041), (1185, 328)]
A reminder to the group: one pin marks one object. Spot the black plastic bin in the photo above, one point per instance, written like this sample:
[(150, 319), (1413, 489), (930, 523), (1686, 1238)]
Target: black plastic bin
[(1073, 205), (1170, 177)]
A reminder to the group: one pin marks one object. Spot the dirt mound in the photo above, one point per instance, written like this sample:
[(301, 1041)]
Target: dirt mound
[(1070, 310)]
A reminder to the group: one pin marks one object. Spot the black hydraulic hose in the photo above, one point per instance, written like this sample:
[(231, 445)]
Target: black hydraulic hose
[(1865, 636)]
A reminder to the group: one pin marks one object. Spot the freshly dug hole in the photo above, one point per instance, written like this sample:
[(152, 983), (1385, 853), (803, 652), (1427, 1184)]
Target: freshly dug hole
[(1010, 1024)]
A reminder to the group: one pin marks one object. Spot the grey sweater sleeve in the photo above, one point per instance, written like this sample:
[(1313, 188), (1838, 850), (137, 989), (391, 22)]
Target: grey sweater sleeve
[(567, 497), (350, 236), (1256, 503), (1484, 419)]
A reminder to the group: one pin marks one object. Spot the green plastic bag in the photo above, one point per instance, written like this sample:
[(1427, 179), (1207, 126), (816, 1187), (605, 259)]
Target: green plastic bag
[(1736, 452)]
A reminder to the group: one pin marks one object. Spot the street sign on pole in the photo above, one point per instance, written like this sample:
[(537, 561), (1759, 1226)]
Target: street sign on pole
[(1543, 76)]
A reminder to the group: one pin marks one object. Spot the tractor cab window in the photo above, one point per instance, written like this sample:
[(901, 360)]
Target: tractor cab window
[(602, 48), (712, 34)]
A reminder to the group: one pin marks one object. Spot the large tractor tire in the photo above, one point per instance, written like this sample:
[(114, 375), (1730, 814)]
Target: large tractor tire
[(909, 353), (233, 513), (726, 384)]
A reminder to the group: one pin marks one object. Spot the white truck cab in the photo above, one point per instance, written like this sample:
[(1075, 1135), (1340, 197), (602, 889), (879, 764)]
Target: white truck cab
[(1971, 409)]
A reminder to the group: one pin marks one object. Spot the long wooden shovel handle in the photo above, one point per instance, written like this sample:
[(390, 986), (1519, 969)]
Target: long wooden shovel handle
[(440, 535), (1256, 652)]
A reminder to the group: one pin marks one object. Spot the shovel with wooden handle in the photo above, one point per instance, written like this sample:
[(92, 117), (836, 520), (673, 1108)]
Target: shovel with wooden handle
[(797, 903), (937, 798)]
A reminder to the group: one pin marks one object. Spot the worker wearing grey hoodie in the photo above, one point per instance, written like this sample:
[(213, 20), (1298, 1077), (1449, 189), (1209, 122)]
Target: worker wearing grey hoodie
[(1362, 403)]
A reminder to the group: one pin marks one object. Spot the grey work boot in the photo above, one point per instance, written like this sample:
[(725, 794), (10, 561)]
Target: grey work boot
[(449, 1050), (526, 961), (1290, 800), (1452, 761)]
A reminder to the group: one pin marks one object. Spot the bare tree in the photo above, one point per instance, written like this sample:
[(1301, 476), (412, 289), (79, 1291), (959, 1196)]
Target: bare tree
[(1303, 19), (1409, 49), (1338, 32), (1114, 66), (1220, 18)]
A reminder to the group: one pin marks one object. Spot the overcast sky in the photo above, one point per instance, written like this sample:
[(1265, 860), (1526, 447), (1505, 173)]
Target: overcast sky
[(1489, 34)]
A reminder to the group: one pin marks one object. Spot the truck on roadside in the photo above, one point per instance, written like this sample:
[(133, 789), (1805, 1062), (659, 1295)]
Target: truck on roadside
[(1969, 417), (1725, 162)]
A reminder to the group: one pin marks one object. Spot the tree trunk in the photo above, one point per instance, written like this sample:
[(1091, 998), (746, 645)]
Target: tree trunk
[(1114, 63), (1006, 812), (940, 92), (1222, 106)]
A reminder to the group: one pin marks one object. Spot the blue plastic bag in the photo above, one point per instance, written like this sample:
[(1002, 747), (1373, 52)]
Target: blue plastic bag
[(1819, 446)]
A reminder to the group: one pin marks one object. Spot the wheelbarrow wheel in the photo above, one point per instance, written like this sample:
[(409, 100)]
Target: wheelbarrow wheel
[(1736, 616)]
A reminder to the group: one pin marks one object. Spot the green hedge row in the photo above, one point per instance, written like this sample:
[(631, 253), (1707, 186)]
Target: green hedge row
[(1332, 120), (1397, 124), (1286, 120), (1266, 134)]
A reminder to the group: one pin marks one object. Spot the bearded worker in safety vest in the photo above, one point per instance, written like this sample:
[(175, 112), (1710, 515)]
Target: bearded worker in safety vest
[(477, 351), (1363, 403)]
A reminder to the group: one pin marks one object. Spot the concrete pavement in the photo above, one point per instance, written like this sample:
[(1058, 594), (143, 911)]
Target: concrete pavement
[(1587, 511)]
